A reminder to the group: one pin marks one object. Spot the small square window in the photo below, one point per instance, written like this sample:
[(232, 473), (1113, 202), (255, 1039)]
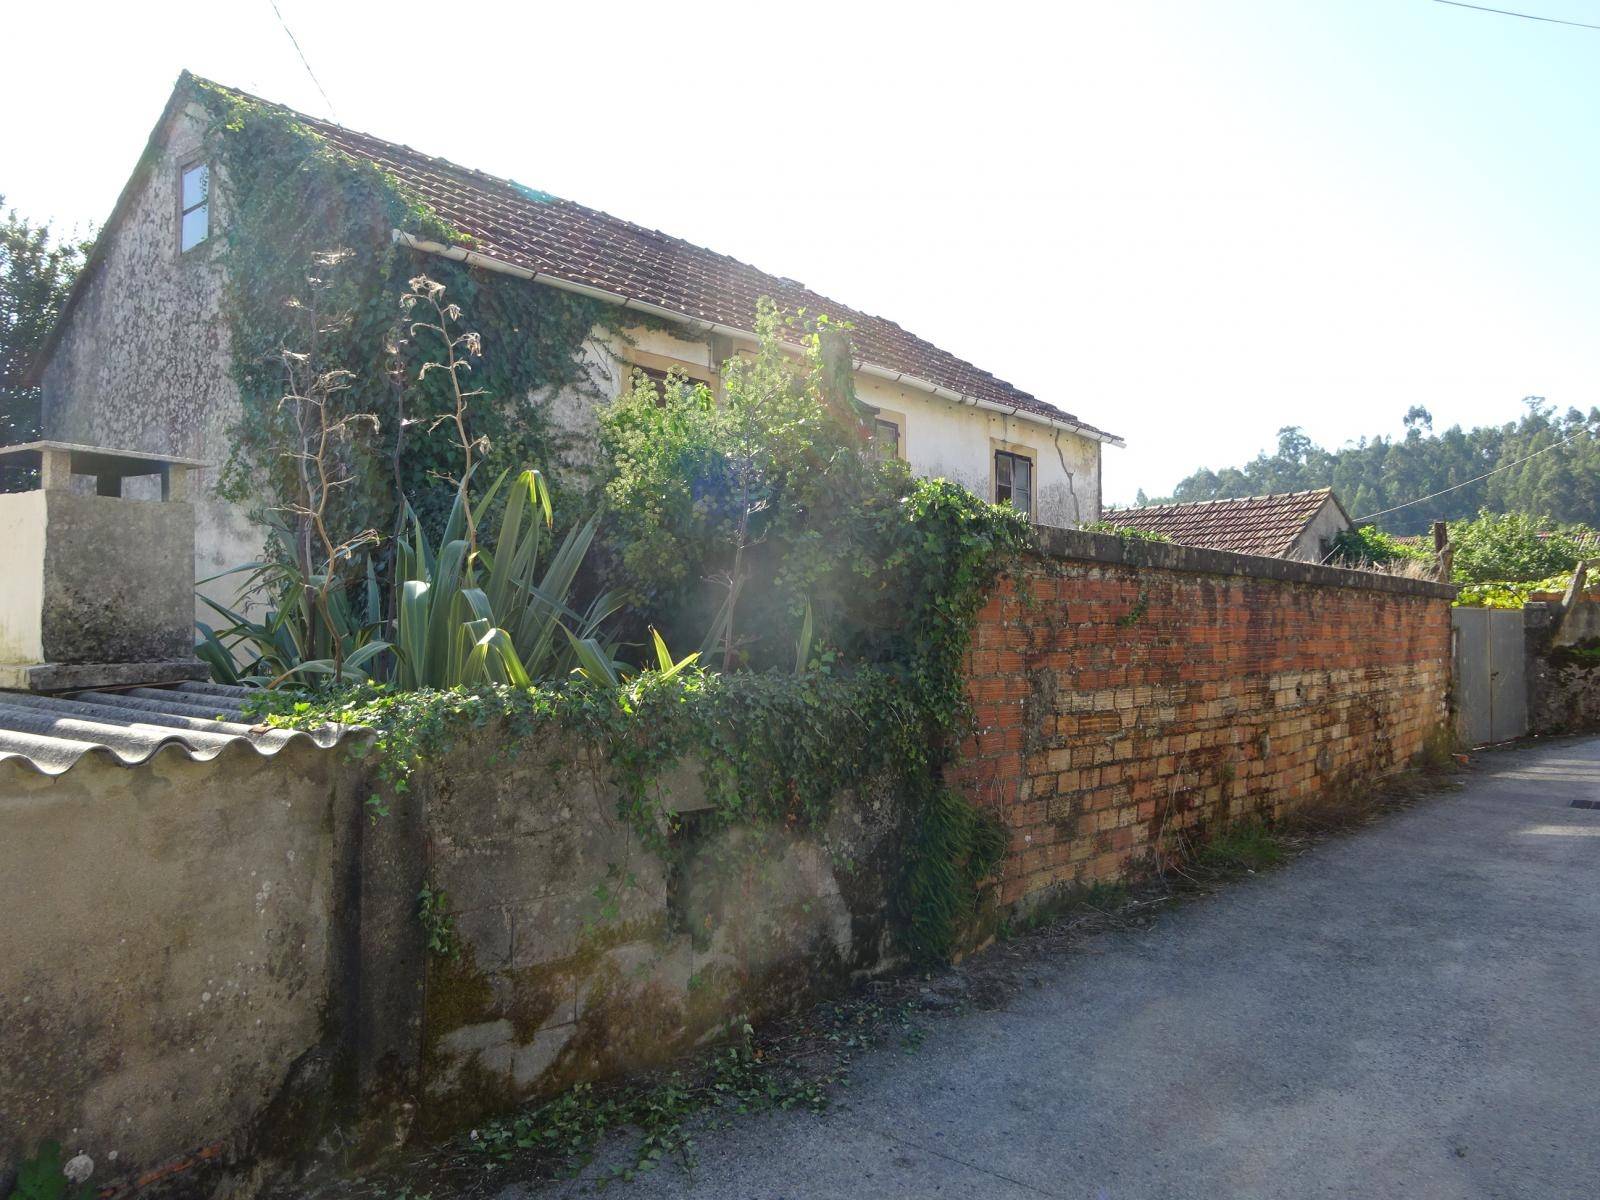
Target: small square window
[(195, 220), (885, 439), (1013, 480)]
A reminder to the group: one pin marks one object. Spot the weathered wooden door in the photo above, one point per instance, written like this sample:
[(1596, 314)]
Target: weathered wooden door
[(1490, 682)]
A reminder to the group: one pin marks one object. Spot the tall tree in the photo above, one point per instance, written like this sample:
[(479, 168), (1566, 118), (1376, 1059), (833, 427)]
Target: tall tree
[(36, 273)]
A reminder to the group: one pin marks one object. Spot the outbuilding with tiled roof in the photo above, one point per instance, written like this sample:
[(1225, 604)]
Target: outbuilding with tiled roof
[(1298, 525)]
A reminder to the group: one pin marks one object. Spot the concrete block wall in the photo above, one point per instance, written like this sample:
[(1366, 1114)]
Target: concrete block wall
[(1125, 691)]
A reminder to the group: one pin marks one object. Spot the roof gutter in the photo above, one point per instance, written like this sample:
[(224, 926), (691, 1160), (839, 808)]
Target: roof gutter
[(473, 258)]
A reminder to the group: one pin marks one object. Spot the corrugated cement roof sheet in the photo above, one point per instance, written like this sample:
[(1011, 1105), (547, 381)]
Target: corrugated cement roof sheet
[(199, 720)]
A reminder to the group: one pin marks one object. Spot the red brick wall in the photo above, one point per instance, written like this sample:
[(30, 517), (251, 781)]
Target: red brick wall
[(1118, 704)]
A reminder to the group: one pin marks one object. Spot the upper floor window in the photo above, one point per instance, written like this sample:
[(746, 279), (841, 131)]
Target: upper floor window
[(194, 222), (1013, 480), (885, 439)]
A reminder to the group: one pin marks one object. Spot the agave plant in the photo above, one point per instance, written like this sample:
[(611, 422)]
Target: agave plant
[(291, 641), (471, 615)]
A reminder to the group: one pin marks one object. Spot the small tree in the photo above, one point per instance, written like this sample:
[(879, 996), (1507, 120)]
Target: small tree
[(751, 493)]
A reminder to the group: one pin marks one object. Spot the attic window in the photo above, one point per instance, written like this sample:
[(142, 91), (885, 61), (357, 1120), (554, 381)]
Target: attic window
[(194, 224)]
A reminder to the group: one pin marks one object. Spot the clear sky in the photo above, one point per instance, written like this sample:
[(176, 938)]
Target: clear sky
[(1189, 223)]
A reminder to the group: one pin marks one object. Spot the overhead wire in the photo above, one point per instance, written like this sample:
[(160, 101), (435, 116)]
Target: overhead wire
[(1478, 479), (1506, 12), (295, 42)]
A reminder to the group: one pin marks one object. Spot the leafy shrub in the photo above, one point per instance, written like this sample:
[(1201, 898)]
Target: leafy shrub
[(1510, 547), (734, 516), (1370, 546), (1501, 594)]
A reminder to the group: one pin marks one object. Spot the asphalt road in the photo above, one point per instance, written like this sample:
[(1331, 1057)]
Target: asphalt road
[(1412, 1010)]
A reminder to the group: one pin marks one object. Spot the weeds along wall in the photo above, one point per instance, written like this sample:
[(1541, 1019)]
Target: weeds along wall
[(1130, 696)]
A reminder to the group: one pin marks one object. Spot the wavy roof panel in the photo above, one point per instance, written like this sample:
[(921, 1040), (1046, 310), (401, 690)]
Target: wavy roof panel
[(51, 734)]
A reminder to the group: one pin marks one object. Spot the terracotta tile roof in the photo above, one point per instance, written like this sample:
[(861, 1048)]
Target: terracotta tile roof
[(1265, 525), (536, 231)]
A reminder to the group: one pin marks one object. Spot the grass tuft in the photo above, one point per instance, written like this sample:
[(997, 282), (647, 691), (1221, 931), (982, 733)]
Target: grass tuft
[(1247, 846)]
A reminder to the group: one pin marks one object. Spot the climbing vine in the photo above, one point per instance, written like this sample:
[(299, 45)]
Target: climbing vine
[(288, 195)]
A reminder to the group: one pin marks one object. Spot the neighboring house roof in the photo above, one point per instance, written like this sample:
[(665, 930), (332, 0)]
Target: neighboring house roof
[(127, 728), (560, 242), (1266, 525)]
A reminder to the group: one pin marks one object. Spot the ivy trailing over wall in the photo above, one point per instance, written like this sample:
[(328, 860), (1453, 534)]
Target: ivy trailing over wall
[(773, 747), (286, 195)]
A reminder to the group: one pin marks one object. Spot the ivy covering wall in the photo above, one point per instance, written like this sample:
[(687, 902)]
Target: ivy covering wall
[(288, 196)]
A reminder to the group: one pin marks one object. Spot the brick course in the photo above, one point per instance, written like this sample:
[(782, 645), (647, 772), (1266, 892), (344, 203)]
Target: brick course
[(1119, 702)]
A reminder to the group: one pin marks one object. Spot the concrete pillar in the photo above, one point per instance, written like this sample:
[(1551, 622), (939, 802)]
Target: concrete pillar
[(55, 470)]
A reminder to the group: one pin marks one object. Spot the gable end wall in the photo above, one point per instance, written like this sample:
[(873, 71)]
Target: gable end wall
[(143, 362)]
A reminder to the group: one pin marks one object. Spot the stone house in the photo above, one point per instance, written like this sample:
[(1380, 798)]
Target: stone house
[(1297, 525), (141, 358)]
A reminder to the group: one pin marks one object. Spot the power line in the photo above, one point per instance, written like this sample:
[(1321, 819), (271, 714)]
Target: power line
[(1457, 486), (294, 41), (1505, 12)]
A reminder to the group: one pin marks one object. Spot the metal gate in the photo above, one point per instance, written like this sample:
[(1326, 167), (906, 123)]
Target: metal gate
[(1490, 686)]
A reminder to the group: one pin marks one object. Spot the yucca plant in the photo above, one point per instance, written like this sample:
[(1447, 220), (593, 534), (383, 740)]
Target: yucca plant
[(292, 641), (471, 615)]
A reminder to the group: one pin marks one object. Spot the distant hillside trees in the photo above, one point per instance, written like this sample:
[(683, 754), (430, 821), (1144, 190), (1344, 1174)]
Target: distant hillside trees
[(1372, 475)]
